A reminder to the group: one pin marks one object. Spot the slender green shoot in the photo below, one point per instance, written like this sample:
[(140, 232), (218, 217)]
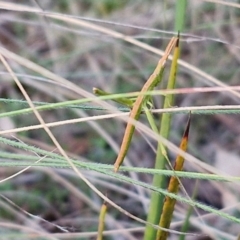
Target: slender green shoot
[(157, 200), (181, 13)]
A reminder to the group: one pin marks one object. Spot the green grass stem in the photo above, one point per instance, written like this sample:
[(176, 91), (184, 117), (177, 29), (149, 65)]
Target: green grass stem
[(156, 202)]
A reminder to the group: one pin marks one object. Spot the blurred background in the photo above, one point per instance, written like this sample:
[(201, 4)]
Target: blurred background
[(56, 200)]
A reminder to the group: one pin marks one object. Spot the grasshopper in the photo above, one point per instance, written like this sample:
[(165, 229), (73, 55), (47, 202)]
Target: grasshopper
[(141, 102)]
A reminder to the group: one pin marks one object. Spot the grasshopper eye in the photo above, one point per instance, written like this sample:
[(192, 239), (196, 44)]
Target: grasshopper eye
[(149, 104)]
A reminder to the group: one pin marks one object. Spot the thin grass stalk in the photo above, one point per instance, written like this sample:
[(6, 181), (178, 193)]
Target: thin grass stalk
[(101, 224), (159, 181), (156, 202), (180, 13), (173, 187)]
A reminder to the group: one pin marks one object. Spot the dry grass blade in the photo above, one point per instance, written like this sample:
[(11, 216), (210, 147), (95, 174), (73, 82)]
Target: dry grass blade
[(59, 51), (173, 187), (230, 4), (101, 224)]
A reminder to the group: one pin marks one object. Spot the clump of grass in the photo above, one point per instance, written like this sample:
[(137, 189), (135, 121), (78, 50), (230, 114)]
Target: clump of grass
[(78, 54)]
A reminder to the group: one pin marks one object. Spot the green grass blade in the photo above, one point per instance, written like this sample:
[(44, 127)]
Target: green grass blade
[(181, 7), (55, 160), (159, 181)]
